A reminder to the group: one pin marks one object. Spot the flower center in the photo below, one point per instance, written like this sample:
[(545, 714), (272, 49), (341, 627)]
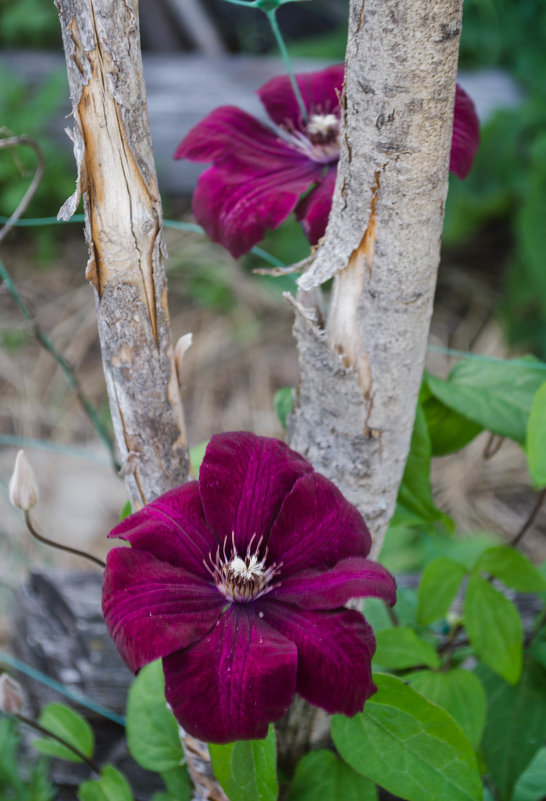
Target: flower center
[(323, 129), (242, 578)]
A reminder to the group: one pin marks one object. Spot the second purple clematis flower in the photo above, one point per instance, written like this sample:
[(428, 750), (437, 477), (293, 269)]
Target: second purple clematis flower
[(259, 174), (238, 583)]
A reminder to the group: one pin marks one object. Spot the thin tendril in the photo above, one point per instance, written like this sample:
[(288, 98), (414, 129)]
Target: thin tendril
[(272, 17), (59, 545)]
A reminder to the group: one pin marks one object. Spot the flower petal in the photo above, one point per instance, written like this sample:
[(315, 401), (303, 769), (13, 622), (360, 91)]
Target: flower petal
[(335, 651), (243, 481), (314, 209), (235, 681), (332, 588), (316, 527), (319, 90), (466, 134), (173, 528), (152, 609)]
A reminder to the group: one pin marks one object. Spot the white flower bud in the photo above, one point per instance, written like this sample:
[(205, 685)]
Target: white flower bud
[(23, 488), (11, 695)]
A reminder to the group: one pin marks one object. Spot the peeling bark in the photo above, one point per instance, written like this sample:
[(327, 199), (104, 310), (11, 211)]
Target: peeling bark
[(360, 376), (116, 176)]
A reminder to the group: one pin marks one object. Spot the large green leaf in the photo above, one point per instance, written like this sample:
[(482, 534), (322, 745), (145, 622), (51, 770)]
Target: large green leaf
[(494, 628), (415, 501), (152, 731), (512, 568), (536, 438), (64, 722), (399, 648), (177, 782), (112, 786), (438, 589), (516, 724), (321, 775), (9, 743), (495, 395), (460, 693), (531, 785), (247, 770), (409, 746), (448, 430)]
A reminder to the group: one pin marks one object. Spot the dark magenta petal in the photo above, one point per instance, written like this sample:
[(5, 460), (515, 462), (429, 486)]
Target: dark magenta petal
[(316, 527), (466, 134), (331, 589), (314, 209), (335, 651), (236, 680), (173, 528), (236, 205), (243, 481), (152, 609), (320, 92)]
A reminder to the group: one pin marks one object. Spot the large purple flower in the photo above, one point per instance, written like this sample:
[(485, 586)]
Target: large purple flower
[(238, 582), (259, 174)]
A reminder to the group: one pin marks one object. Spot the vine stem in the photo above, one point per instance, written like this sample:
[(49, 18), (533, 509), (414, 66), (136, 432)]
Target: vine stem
[(272, 18), (34, 725), (59, 545), (530, 520), (15, 141)]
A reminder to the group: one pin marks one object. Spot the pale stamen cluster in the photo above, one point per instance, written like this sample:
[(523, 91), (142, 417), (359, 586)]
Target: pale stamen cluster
[(320, 142), (242, 578)]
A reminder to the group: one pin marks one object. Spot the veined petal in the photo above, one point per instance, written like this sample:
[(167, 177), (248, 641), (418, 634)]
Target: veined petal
[(152, 609), (314, 209), (466, 134), (173, 528), (243, 481), (316, 527), (236, 204), (319, 90), (235, 681), (335, 651), (332, 588)]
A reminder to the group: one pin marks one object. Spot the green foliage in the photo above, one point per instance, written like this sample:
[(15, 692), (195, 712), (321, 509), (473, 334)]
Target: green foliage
[(516, 724), (283, 401), (536, 438), (531, 784), (112, 786), (247, 769), (152, 731), (13, 787), (409, 746), (494, 628), (512, 568), (29, 23), (460, 693), (400, 647), (197, 454), (321, 775), (64, 722), (438, 589)]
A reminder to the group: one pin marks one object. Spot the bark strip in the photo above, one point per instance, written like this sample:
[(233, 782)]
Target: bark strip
[(116, 176), (360, 377)]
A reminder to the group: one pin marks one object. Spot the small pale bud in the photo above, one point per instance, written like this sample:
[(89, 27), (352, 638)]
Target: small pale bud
[(23, 489), (181, 347), (11, 695)]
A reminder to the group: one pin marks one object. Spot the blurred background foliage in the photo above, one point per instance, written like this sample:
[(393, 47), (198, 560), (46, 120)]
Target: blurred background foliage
[(495, 221)]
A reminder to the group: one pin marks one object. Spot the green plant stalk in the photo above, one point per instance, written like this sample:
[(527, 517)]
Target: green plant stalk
[(34, 725), (272, 18), (44, 340), (59, 545)]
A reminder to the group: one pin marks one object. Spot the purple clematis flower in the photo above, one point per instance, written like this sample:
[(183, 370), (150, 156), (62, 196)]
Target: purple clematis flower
[(259, 174), (238, 582)]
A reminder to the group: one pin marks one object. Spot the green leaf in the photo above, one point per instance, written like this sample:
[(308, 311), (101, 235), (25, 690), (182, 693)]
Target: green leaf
[(516, 724), (494, 628), (247, 770), (495, 395), (409, 746), (536, 438), (531, 784), (438, 589), (9, 743), (63, 721), (197, 454), (448, 430), (400, 647), (321, 775), (152, 731), (112, 786), (126, 510), (415, 501), (538, 647), (512, 568), (283, 401), (177, 782), (460, 693)]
